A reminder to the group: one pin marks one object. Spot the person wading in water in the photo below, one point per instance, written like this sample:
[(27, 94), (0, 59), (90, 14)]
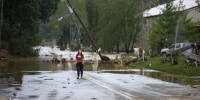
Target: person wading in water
[(79, 63)]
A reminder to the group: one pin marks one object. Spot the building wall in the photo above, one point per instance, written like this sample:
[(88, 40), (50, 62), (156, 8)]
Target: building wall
[(143, 39), (193, 13)]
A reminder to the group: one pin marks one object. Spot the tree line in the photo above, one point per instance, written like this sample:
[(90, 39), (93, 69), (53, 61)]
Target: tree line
[(21, 20), (114, 24)]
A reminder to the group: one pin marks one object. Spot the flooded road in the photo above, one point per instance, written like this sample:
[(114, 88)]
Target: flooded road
[(39, 79), (13, 69)]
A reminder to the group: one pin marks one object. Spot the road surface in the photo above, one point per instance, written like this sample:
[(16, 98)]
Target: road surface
[(63, 85)]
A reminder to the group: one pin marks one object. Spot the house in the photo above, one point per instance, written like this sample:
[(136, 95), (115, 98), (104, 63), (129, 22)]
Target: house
[(150, 15), (190, 6)]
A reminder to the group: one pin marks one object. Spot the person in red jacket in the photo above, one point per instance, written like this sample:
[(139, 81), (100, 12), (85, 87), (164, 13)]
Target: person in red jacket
[(79, 63)]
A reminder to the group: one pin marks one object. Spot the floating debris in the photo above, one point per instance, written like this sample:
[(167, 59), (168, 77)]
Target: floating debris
[(48, 79), (33, 96), (196, 86), (64, 87), (14, 84)]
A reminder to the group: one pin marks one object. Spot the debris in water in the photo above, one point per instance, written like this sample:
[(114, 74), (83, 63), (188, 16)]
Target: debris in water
[(14, 85), (64, 87), (48, 79), (196, 86), (33, 96), (17, 88)]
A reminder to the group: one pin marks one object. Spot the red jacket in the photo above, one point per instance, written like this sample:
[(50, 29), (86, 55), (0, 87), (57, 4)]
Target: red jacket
[(79, 58)]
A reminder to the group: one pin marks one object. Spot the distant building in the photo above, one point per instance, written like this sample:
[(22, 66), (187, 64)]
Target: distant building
[(153, 3), (150, 15)]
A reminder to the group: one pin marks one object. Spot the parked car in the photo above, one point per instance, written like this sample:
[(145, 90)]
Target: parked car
[(173, 47)]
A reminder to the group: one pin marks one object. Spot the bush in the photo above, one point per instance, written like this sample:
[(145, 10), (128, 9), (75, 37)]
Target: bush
[(62, 48), (21, 50)]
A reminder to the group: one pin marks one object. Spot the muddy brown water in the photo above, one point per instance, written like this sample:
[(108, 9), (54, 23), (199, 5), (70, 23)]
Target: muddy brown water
[(12, 71)]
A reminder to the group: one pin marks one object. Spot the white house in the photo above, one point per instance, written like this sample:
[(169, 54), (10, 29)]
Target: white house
[(190, 6)]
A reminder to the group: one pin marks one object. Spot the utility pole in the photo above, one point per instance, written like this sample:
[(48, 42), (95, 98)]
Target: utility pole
[(87, 32)]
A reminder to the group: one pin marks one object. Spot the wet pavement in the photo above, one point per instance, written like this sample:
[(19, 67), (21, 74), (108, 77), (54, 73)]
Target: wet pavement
[(63, 85), (33, 79), (60, 86)]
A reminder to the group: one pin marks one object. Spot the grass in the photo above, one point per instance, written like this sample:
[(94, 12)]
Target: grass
[(179, 69)]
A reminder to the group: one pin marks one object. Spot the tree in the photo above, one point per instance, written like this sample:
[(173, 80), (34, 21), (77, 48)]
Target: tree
[(59, 31), (47, 8), (112, 23), (118, 24), (131, 26), (92, 15), (188, 31), (172, 21), (198, 2), (21, 24)]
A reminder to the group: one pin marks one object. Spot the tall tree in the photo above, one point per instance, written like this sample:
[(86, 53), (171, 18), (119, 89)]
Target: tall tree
[(92, 15), (118, 23), (47, 8), (131, 26), (111, 12), (21, 24), (112, 23), (171, 23)]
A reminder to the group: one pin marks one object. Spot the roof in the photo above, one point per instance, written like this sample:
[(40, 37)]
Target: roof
[(158, 10)]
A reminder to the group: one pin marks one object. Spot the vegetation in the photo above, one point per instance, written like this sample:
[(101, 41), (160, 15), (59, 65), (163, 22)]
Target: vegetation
[(58, 30), (67, 31), (114, 25), (104, 19), (165, 65), (172, 26), (179, 69), (21, 19), (119, 20)]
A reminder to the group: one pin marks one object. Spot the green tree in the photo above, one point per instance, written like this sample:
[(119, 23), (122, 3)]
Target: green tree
[(131, 26), (92, 15), (47, 8), (112, 23), (172, 21), (59, 30), (21, 24), (188, 31), (198, 2), (111, 13), (118, 24), (85, 9)]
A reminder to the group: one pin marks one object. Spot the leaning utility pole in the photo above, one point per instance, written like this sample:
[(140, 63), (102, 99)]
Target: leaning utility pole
[(71, 9)]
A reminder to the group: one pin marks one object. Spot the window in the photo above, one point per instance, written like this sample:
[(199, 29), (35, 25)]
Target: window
[(172, 46)]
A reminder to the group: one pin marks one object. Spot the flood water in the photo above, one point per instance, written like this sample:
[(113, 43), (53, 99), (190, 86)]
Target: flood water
[(12, 71)]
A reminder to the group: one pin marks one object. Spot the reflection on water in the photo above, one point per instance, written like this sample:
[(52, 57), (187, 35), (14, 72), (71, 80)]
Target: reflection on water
[(12, 71), (95, 64)]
